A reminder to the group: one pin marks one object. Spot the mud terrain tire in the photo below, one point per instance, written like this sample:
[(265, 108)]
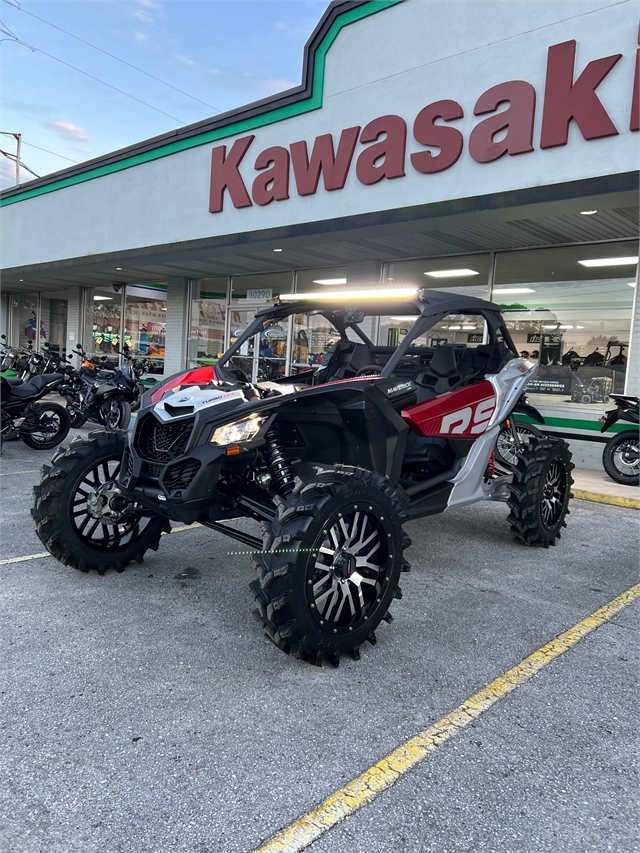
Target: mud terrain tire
[(59, 502), (540, 492), (331, 564)]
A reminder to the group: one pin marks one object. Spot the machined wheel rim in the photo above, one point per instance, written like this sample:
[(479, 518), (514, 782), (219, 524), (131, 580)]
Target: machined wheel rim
[(349, 569), (625, 457), (505, 445), (100, 516), (554, 492)]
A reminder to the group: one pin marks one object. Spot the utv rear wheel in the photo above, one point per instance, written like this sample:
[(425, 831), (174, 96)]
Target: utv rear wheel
[(331, 564), (80, 516), (540, 492)]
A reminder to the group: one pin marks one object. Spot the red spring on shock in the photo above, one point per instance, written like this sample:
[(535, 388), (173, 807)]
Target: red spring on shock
[(491, 467)]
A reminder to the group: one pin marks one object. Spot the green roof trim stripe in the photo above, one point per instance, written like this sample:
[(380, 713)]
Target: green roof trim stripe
[(313, 102)]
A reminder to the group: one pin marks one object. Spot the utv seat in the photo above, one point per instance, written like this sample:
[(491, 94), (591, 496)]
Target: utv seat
[(442, 373)]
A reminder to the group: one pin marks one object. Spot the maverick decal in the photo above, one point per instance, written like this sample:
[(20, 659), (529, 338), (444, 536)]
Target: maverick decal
[(569, 95)]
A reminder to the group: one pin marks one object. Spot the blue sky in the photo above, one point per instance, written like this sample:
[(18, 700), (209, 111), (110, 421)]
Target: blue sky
[(224, 53)]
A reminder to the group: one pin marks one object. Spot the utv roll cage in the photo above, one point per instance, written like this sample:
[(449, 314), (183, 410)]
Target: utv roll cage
[(429, 307)]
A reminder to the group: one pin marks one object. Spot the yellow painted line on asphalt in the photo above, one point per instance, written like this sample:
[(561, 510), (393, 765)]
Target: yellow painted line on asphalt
[(47, 554), (382, 775), (614, 500), (13, 473)]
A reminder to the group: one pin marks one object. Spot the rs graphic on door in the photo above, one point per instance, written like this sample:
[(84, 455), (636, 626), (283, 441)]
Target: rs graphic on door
[(465, 413)]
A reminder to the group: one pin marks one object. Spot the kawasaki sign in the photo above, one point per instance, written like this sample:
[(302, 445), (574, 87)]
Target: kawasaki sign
[(379, 148)]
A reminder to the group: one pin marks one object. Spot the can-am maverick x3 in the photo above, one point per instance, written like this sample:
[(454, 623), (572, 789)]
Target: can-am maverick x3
[(331, 461)]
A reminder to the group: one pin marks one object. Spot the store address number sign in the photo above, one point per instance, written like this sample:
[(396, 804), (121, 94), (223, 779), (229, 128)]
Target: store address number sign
[(569, 95)]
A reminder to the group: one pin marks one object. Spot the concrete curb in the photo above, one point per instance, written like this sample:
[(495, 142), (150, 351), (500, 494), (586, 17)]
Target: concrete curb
[(613, 500)]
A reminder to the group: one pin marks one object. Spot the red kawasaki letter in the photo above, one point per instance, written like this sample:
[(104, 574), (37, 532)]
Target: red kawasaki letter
[(392, 149), (634, 124), (517, 120), (334, 167), (565, 100), (448, 139), (273, 182), (225, 175)]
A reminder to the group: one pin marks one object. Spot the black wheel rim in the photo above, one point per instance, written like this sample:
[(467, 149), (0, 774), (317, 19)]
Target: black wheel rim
[(112, 414), (554, 494), (348, 570), (625, 458), (51, 424), (95, 521)]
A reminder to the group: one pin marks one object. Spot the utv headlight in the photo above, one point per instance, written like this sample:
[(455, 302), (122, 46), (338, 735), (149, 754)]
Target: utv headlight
[(238, 431)]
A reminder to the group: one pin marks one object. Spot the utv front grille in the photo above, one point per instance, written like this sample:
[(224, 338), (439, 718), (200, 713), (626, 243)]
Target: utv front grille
[(180, 475), (163, 442), (154, 470)]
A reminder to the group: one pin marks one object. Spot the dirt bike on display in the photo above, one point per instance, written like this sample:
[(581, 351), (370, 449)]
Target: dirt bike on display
[(330, 462), (40, 426), (620, 455)]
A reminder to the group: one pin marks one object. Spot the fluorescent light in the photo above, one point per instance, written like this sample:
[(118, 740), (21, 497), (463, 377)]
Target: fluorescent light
[(588, 212), (629, 283), (451, 273), (469, 328), (329, 281), (609, 262), (405, 318), (277, 250), (347, 295), (513, 290), (119, 269), (102, 298), (565, 327), (555, 326), (579, 327), (454, 328)]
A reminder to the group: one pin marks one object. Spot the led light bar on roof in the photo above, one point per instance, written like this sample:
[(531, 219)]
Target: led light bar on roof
[(609, 262), (351, 295)]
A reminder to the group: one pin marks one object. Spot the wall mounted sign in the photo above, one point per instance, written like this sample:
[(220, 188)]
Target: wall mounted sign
[(569, 96), (261, 295), (474, 338)]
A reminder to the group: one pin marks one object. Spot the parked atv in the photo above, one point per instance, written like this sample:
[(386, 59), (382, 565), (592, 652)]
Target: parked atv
[(330, 462)]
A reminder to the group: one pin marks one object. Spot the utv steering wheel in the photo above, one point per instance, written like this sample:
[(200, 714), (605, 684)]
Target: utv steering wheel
[(368, 369)]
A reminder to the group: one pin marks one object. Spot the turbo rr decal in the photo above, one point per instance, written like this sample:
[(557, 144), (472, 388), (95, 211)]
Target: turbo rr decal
[(464, 413)]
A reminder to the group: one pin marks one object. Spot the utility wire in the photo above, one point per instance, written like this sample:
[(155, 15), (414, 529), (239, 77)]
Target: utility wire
[(106, 52), (80, 71), (14, 159), (46, 150)]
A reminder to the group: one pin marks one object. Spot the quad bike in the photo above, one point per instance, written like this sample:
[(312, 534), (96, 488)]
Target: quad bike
[(330, 462), (597, 391), (620, 455)]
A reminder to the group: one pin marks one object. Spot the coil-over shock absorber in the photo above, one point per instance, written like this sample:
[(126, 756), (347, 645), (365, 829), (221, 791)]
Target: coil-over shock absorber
[(278, 464)]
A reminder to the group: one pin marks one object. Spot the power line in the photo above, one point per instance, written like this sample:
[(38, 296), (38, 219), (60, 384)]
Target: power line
[(106, 52), (46, 150), (86, 73), (14, 159)]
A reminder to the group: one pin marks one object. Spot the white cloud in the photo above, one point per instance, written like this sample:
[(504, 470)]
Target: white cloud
[(140, 37), (68, 131), (185, 59)]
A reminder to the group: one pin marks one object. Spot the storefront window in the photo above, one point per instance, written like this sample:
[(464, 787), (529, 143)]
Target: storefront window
[(467, 276), (249, 293), (146, 323), (102, 322), (207, 324), (569, 309), (25, 320), (53, 316)]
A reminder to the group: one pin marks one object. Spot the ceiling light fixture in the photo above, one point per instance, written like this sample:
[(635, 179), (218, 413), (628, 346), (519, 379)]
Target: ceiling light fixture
[(404, 318), (513, 290), (469, 328), (277, 250), (119, 269), (579, 327), (354, 295), (454, 328), (329, 281), (554, 326), (451, 273), (588, 212), (103, 298), (609, 262), (565, 327)]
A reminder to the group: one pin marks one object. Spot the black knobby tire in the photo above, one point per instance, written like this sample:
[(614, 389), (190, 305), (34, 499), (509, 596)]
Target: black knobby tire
[(56, 425), (505, 450), (115, 414), (61, 510), (317, 595), (540, 492), (620, 458)]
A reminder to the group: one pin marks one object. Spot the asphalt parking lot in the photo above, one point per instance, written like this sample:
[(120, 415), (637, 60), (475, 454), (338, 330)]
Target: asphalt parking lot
[(146, 712)]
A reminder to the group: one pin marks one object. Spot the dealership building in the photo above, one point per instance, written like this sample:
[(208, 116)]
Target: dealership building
[(488, 148)]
